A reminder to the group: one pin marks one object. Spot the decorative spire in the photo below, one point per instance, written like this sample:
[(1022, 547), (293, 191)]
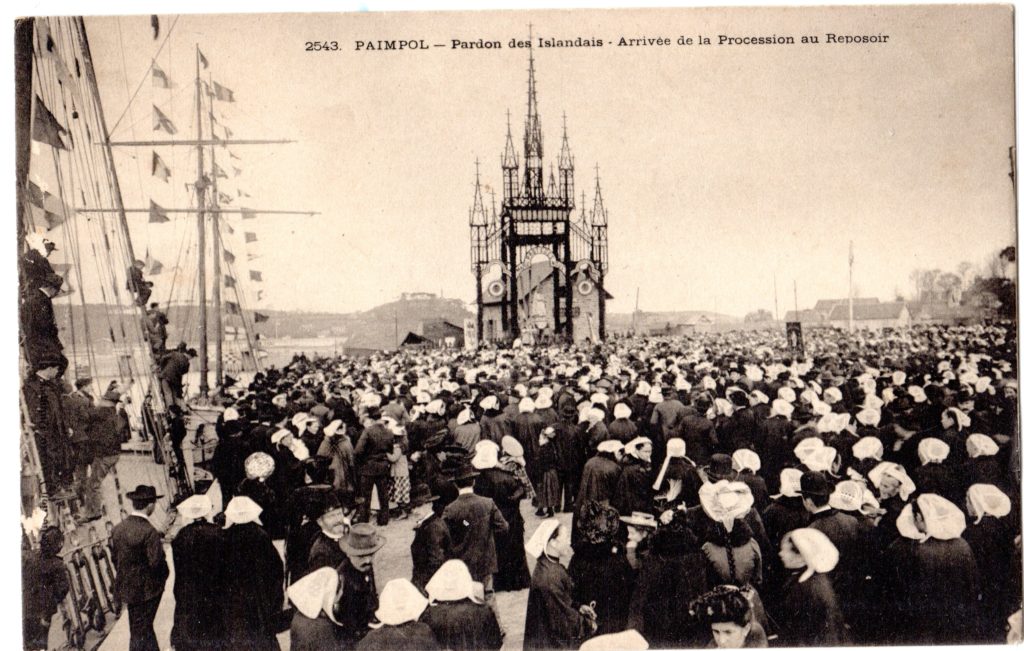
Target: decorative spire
[(599, 217), (583, 210), (533, 147), (565, 161), (509, 160), (492, 225), (552, 183), (478, 216)]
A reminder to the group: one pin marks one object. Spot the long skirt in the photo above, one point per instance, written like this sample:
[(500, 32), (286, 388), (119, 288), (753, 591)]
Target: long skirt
[(549, 490), (399, 493)]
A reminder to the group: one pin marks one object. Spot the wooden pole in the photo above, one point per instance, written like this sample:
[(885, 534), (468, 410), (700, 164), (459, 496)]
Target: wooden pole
[(218, 322), (204, 362)]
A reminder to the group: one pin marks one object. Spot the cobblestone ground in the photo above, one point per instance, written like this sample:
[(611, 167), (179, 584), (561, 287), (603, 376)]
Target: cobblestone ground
[(393, 561)]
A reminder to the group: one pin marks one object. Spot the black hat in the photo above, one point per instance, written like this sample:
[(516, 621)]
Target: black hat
[(143, 493), (458, 469), (815, 483), (720, 467)]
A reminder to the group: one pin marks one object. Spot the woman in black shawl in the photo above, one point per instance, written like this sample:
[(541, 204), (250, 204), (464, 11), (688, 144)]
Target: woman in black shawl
[(990, 534), (254, 580), (599, 569), (506, 490), (670, 577), (552, 620)]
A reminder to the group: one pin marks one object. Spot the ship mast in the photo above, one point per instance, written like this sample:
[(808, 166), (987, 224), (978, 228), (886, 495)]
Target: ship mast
[(218, 325), (204, 382)]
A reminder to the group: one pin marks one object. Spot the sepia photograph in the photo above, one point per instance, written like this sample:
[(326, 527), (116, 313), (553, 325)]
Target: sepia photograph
[(526, 330)]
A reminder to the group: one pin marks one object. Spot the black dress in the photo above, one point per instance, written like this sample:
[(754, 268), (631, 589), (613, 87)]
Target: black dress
[(198, 590), (506, 490), (253, 588), (601, 575)]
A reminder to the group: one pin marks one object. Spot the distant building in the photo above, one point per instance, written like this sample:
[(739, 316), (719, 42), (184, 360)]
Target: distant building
[(435, 334), (809, 318), (871, 316)]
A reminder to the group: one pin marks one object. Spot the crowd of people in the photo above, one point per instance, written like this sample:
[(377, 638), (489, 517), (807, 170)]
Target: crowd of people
[(722, 491)]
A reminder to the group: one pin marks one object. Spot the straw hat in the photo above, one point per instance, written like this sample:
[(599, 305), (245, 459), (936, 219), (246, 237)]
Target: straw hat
[(362, 540)]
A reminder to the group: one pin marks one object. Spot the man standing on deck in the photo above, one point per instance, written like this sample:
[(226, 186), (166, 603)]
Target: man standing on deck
[(141, 567), (173, 368)]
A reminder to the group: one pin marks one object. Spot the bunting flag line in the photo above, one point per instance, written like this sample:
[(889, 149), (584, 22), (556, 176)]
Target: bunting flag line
[(160, 78), (250, 238), (202, 59), (161, 121), (231, 231), (154, 22), (160, 169), (236, 170), (157, 215), (259, 294), (229, 281), (218, 172), (229, 257), (223, 93), (252, 256), (46, 129), (258, 317), (232, 155), (50, 205), (223, 197), (243, 194), (228, 133), (232, 308), (255, 276), (246, 213)]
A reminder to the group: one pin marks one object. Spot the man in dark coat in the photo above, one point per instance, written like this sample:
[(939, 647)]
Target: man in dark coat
[(198, 567), (325, 551), (254, 580), (431, 544), (358, 603), (45, 405), (173, 369), (600, 480), (371, 458), (138, 555), (44, 584), (473, 522), (698, 432), (39, 326)]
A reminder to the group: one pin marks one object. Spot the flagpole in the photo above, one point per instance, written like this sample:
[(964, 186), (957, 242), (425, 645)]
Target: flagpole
[(204, 362), (850, 306), (218, 322)]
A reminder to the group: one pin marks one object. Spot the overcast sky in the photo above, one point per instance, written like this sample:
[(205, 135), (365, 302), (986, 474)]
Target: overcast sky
[(722, 167)]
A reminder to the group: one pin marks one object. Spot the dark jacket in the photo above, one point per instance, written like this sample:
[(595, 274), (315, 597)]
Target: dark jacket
[(808, 612), (372, 449), (320, 634), (473, 521), (600, 480), (463, 625), (601, 574), (634, 489), (253, 588), (138, 555), (430, 549), (507, 491), (659, 607), (700, 436), (198, 551), (411, 636), (324, 552), (552, 620)]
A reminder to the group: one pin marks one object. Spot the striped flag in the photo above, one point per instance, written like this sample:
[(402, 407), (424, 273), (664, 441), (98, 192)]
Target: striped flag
[(256, 276), (250, 238), (229, 281)]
